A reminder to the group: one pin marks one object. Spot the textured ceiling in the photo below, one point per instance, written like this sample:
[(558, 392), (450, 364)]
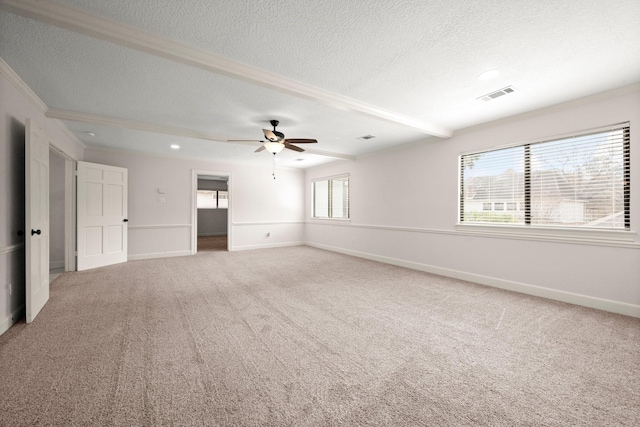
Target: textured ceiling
[(415, 59)]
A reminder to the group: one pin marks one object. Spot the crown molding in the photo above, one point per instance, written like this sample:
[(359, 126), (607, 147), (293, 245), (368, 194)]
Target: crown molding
[(139, 153), (22, 87), (96, 119), (35, 100), (600, 96), (329, 154), (74, 116), (92, 25), (70, 134)]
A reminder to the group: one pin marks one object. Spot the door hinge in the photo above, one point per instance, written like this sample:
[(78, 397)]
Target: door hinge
[(76, 253)]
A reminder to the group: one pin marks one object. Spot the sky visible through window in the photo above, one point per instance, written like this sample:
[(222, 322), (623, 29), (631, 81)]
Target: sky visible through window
[(570, 154), (570, 181)]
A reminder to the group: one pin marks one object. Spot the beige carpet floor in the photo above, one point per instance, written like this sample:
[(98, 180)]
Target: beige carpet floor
[(298, 336)]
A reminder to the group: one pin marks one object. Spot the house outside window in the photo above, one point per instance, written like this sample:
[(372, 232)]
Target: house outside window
[(581, 180)]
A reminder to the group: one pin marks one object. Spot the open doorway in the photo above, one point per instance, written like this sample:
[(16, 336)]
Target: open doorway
[(211, 219), (61, 213)]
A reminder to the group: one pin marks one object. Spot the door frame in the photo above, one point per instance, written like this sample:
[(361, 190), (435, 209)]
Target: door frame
[(194, 206), (69, 207)]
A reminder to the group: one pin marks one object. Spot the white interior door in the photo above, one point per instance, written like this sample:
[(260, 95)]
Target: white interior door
[(36, 219), (102, 215)]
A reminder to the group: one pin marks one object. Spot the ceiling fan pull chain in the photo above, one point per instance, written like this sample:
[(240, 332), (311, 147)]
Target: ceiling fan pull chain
[(274, 166)]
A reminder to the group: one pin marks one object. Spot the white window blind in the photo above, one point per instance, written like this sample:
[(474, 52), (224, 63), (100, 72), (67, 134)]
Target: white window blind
[(331, 198), (207, 199), (340, 198), (577, 181), (223, 199), (321, 199), (212, 199)]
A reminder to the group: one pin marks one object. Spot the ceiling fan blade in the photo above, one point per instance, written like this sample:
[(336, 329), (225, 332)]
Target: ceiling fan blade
[(261, 148), (293, 147), (301, 141), (270, 135)]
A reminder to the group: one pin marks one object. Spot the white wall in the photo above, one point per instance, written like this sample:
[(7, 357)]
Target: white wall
[(17, 103), (258, 203), (414, 224)]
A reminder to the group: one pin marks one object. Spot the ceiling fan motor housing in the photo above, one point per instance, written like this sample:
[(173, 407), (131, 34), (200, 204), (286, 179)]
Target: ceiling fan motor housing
[(279, 136)]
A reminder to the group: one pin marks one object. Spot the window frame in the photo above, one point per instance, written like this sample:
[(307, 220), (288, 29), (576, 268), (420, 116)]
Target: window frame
[(553, 232), (217, 198), (329, 180)]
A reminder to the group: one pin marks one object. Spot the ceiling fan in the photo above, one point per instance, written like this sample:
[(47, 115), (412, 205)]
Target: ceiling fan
[(276, 142)]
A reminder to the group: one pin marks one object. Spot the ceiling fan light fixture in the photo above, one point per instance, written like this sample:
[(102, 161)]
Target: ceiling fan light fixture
[(273, 147)]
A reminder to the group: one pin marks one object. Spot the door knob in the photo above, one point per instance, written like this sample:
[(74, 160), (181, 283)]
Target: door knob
[(36, 232), (125, 220)]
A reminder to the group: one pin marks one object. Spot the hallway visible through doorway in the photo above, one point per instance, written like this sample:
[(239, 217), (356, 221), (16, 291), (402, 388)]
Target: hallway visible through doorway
[(212, 243)]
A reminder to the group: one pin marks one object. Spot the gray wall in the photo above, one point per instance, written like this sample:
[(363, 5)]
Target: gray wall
[(56, 211), (212, 222), (17, 103)]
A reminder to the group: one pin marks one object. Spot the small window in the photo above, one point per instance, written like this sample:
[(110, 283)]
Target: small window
[(321, 199), (212, 199), (331, 198), (223, 199), (581, 180)]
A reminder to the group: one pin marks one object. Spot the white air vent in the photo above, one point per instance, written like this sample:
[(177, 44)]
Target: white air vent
[(497, 93), (367, 137)]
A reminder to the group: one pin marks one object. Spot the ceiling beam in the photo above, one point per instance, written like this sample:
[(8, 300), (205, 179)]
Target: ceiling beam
[(92, 25), (95, 119)]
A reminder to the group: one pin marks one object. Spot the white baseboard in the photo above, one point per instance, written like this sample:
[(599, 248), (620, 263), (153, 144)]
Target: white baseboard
[(538, 291), (138, 257), (12, 319), (267, 246), (218, 233)]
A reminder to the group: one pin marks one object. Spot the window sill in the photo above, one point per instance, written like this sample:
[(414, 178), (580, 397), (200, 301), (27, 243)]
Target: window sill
[(565, 234)]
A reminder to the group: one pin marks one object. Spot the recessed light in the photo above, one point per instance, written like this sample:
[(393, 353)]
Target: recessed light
[(489, 74), (90, 134), (175, 147)]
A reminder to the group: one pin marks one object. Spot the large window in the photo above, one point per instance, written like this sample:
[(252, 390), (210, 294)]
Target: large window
[(576, 181), (212, 199), (331, 198)]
